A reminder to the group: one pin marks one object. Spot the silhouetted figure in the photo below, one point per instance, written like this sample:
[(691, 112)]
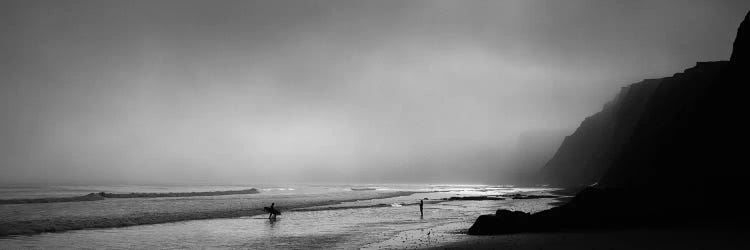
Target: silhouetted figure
[(272, 212), (421, 207)]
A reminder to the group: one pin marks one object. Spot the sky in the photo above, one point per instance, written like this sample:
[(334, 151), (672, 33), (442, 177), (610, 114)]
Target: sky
[(132, 92)]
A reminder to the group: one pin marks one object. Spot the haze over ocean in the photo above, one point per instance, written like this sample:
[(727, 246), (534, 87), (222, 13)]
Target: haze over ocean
[(388, 124), (150, 92)]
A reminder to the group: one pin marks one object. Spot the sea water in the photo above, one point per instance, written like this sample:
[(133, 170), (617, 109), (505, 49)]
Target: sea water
[(343, 221)]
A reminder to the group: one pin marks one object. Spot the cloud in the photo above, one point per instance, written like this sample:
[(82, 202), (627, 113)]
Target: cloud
[(305, 91)]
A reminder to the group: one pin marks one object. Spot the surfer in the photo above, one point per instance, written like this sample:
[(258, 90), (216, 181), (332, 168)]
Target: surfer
[(421, 207), (272, 212)]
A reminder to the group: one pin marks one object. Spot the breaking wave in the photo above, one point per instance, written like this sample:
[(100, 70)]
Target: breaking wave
[(103, 195), (109, 213)]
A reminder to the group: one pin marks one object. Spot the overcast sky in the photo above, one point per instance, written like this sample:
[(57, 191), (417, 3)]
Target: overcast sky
[(319, 91)]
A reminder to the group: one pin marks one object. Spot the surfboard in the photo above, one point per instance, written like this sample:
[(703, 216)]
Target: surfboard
[(271, 210)]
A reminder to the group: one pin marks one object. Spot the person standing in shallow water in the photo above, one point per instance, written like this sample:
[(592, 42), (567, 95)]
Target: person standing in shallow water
[(272, 212), (421, 207)]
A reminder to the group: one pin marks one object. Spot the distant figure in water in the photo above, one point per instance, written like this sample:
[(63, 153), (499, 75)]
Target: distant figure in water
[(421, 207), (272, 212)]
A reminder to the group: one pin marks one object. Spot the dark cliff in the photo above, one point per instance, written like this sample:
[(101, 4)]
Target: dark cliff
[(690, 138), (677, 132), (673, 145), (672, 152), (583, 156)]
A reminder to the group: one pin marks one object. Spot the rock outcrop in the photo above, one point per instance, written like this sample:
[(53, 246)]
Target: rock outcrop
[(591, 208), (502, 222)]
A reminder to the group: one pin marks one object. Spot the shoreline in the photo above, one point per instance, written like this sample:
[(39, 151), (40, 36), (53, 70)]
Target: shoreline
[(151, 211), (338, 222), (448, 233)]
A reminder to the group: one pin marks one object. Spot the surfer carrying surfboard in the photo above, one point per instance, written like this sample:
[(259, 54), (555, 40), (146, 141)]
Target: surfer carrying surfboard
[(272, 212)]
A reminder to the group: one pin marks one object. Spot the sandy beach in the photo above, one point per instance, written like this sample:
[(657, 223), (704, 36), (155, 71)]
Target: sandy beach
[(314, 217)]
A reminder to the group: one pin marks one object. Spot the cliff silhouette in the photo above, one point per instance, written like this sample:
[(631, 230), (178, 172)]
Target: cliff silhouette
[(666, 151), (582, 157)]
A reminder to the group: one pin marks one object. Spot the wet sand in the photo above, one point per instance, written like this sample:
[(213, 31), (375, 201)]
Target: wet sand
[(707, 237), (446, 234), (392, 220)]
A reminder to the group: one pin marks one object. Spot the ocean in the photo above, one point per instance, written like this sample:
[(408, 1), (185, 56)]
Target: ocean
[(374, 216)]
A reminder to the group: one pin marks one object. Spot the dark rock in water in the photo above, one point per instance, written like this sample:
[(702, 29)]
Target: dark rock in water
[(591, 208), (486, 225), (502, 222)]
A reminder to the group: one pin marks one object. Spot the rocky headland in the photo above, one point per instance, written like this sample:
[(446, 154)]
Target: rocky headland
[(666, 151)]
